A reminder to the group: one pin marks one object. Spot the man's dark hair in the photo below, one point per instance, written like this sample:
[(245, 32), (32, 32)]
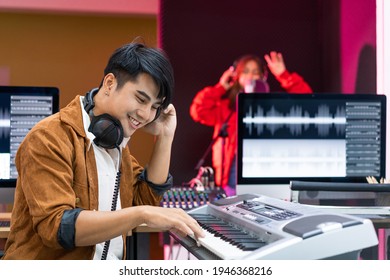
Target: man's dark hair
[(130, 60)]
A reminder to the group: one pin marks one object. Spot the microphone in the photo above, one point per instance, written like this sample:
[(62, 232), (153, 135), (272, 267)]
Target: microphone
[(259, 86)]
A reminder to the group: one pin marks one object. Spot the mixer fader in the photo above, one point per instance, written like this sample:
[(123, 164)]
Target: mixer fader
[(189, 198)]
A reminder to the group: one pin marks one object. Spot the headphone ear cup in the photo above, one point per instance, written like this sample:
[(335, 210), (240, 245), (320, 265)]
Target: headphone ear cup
[(108, 131)]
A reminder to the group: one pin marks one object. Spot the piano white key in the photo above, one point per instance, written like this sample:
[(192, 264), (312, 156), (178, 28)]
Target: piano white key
[(221, 248)]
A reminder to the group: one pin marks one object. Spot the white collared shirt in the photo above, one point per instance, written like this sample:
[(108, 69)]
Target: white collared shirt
[(107, 163)]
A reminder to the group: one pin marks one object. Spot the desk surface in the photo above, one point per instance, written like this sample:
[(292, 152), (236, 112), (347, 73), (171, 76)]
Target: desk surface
[(379, 221)]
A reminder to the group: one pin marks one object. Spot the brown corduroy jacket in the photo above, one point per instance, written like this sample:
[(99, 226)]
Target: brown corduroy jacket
[(57, 172)]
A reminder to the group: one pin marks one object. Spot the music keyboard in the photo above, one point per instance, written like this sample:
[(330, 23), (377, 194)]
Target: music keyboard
[(258, 227)]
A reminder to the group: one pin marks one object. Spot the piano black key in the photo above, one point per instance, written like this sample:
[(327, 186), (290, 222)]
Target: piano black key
[(216, 230), (203, 217), (229, 237), (225, 234), (208, 222), (229, 229), (212, 221), (216, 227), (237, 241), (236, 235)]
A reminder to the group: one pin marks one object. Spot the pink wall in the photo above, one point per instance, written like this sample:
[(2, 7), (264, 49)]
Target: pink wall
[(357, 29), (142, 7)]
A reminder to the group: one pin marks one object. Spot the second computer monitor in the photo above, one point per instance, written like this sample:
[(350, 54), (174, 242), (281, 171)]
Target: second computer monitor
[(21, 107), (314, 137)]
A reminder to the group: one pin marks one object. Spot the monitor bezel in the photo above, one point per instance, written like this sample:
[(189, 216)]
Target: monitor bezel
[(250, 97), (28, 91)]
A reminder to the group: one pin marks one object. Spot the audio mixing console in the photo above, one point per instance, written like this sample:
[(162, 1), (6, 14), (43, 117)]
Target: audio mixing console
[(189, 198)]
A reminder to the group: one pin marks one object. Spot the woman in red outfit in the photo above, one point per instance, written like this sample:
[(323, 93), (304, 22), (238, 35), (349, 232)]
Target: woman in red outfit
[(215, 106)]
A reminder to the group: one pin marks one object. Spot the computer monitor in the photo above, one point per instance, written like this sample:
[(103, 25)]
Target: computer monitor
[(21, 107), (314, 137)]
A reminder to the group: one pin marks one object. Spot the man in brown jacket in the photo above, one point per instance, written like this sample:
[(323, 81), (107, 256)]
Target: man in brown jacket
[(79, 189)]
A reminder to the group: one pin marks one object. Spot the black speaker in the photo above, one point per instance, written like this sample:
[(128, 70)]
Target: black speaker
[(108, 130)]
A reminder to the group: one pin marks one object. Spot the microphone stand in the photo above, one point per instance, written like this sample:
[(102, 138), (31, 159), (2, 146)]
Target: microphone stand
[(222, 133)]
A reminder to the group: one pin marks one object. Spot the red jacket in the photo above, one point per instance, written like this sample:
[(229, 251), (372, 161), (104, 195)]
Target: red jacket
[(209, 109)]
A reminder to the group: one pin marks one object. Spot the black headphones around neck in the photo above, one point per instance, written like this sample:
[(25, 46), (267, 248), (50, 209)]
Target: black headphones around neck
[(108, 130)]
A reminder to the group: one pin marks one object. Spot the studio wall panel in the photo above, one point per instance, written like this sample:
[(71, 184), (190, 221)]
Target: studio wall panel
[(203, 38)]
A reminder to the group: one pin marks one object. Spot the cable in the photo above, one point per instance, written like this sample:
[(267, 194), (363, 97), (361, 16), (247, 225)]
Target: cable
[(113, 205)]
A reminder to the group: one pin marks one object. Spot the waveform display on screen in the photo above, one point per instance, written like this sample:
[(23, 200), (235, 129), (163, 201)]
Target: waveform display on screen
[(296, 121), (5, 125), (294, 158)]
